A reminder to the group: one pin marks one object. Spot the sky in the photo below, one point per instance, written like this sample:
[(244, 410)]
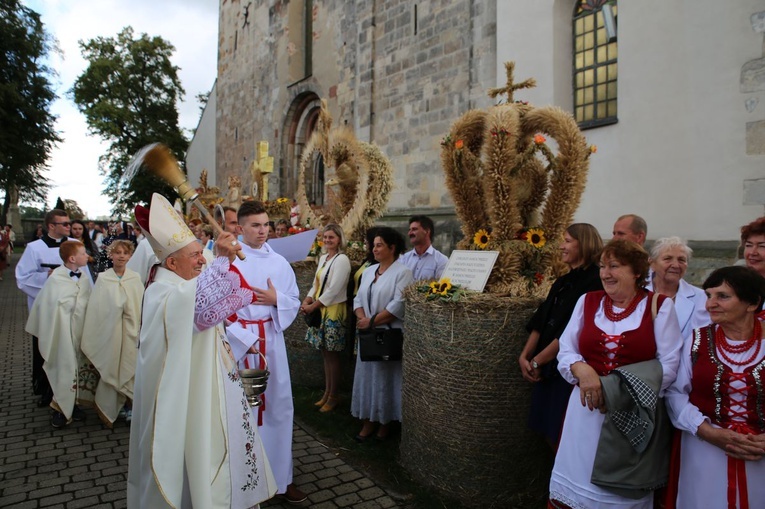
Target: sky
[(189, 25)]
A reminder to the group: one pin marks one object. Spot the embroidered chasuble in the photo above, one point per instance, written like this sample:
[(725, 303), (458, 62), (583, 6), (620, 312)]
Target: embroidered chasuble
[(193, 441)]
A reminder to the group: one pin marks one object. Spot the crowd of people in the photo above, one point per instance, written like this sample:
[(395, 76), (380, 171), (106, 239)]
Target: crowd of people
[(647, 388), (152, 321)]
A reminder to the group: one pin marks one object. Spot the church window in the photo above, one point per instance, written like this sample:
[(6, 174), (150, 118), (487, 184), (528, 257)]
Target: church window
[(595, 62)]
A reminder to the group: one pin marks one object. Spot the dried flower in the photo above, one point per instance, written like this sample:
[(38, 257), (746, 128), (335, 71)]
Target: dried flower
[(539, 139), (459, 144), (594, 149)]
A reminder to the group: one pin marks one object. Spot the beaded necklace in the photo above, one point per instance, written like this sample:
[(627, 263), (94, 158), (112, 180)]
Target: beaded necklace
[(608, 308), (725, 346)]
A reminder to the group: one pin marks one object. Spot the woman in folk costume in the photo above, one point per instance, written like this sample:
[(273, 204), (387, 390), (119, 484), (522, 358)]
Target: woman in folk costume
[(611, 333), (193, 440), (57, 318), (110, 335), (718, 400)]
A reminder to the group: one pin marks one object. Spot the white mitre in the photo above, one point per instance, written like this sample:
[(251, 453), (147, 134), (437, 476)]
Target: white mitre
[(163, 227)]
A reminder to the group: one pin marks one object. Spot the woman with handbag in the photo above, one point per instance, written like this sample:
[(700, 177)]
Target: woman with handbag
[(325, 311), (380, 302)]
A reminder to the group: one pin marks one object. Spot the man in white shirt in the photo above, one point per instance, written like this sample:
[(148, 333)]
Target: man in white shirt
[(425, 261), (631, 227)]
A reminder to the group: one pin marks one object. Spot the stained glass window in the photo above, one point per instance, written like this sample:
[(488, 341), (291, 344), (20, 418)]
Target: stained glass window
[(595, 62)]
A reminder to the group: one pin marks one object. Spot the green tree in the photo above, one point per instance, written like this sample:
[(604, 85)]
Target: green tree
[(128, 94), (27, 135)]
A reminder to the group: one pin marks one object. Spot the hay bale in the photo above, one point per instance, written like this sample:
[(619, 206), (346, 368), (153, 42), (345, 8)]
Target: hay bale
[(465, 404)]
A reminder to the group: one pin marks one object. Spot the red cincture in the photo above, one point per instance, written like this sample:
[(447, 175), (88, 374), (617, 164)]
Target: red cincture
[(714, 386), (262, 348)]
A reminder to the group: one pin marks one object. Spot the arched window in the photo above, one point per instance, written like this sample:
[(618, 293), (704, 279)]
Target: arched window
[(595, 62)]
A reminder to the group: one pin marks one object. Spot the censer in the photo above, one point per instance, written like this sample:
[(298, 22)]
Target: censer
[(158, 159), (255, 382)]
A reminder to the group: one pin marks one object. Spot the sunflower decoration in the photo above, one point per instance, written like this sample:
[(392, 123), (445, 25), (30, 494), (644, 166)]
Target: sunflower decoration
[(481, 238), (442, 290), (536, 237)]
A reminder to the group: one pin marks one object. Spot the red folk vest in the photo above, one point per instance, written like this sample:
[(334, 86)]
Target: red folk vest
[(631, 346), (711, 386)]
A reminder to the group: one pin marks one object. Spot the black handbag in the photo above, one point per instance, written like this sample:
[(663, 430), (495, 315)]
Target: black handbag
[(313, 319), (380, 344)]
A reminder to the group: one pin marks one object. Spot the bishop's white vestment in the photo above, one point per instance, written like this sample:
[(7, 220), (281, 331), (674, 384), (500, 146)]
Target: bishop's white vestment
[(257, 321), (193, 440)]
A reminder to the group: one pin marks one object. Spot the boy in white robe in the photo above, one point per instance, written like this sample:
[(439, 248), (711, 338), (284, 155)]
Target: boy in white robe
[(193, 441), (272, 279), (56, 319), (110, 334), (37, 261)]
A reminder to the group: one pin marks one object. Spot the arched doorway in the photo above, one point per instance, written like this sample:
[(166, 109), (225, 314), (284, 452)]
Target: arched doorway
[(299, 123)]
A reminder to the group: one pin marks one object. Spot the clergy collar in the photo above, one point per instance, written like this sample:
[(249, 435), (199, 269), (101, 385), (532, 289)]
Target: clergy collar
[(51, 242)]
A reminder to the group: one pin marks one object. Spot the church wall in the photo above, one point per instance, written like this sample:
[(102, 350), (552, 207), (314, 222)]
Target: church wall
[(685, 142), (394, 87), (691, 133)]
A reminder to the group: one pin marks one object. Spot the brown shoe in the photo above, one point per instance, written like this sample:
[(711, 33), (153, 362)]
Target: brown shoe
[(322, 401), (330, 405), (294, 495)]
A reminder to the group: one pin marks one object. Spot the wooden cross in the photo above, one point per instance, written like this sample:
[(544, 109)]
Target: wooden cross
[(511, 87)]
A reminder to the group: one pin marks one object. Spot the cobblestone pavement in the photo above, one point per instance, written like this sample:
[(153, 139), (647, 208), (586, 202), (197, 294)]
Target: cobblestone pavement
[(85, 464)]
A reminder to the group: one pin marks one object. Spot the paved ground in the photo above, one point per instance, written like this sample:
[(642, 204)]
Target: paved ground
[(85, 465)]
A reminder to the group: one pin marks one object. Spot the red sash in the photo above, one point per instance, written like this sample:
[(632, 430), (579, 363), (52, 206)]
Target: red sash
[(262, 349)]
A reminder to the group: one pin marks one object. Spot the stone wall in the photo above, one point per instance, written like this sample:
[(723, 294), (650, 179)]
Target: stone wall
[(397, 72)]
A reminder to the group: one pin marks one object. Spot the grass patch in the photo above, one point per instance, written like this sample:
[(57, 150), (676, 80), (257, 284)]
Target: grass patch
[(379, 460)]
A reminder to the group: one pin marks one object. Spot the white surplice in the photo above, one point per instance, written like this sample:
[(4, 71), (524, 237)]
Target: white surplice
[(56, 318), (263, 264), (193, 441), (570, 480), (110, 338)]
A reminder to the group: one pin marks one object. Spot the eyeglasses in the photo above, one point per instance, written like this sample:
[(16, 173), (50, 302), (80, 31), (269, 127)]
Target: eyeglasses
[(66, 223)]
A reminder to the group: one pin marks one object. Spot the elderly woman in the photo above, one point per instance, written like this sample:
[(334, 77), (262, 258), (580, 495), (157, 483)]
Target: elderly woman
[(580, 250), (717, 400), (608, 330), (379, 301), (669, 262), (328, 297)]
